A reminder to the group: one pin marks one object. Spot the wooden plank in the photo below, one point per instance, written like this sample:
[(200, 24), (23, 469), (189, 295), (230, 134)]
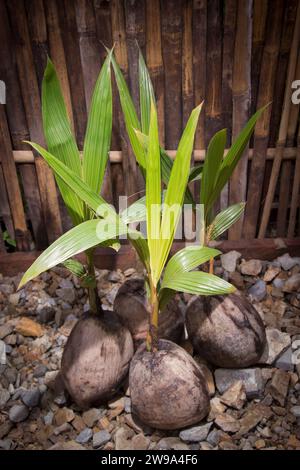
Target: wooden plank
[(282, 129), (260, 10), (2, 245), (72, 56), (295, 192), (241, 93), (187, 62), (199, 64), (155, 60), (105, 258), (30, 92), (5, 211), (130, 170), (261, 135), (22, 235), (171, 29), (57, 53), (213, 98), (229, 27), (285, 188), (19, 129)]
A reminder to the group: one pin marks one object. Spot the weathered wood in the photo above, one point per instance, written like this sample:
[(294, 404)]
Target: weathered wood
[(282, 67), (285, 188), (105, 258), (260, 11), (12, 185), (171, 28), (295, 192), (28, 81), (229, 27), (213, 98), (119, 36), (261, 134), (72, 56), (19, 129), (57, 52), (5, 211), (241, 93), (187, 62), (2, 245), (199, 64), (155, 60), (282, 129)]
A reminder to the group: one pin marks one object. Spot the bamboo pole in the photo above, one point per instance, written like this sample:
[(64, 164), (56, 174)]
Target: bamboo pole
[(261, 134), (285, 189), (241, 91), (32, 105), (282, 129)]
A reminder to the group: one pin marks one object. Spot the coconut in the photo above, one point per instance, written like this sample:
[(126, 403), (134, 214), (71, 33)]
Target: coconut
[(131, 306), (168, 389), (96, 358), (227, 331)]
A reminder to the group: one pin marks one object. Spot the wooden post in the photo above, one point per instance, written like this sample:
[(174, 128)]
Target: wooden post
[(261, 134), (30, 92), (282, 129), (5, 211), (295, 192), (241, 93)]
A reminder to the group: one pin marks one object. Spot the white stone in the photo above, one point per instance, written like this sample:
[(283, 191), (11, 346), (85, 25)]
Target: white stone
[(229, 260)]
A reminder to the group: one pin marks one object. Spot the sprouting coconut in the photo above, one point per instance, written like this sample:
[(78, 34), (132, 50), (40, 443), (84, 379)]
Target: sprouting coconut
[(98, 351), (168, 389), (96, 358), (226, 330), (131, 305)]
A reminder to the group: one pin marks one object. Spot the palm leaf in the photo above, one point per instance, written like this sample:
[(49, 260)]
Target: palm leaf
[(199, 283), (59, 137), (224, 220), (146, 94), (212, 165), (98, 133)]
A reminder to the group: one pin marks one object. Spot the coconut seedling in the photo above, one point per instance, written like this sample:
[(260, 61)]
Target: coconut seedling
[(168, 390), (97, 354)]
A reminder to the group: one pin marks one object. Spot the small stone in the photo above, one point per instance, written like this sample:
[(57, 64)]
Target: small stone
[(60, 399), (2, 353), (258, 291), (171, 443), (67, 294), (235, 396), (285, 361), (228, 445), (260, 444), (292, 284), (129, 272), (50, 378), (5, 428), (271, 273), (216, 408), (84, 436), (229, 260), (287, 262), (66, 427), (5, 444), (28, 327), (123, 437), (100, 438), (252, 418), (116, 404), (91, 416), (39, 371), (18, 413), (31, 398), (4, 397), (279, 386), (195, 434), (114, 276), (295, 410), (251, 379), (78, 423), (5, 330), (277, 343), (140, 442), (48, 418), (293, 442), (127, 405), (227, 423), (237, 280), (251, 268), (69, 445), (63, 415)]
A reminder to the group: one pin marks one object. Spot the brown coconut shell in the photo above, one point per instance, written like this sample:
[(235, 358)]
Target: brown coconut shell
[(131, 306), (168, 389), (96, 358), (227, 331)]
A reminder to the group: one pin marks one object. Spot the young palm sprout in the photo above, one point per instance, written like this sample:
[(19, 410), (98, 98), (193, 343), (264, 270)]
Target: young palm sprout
[(97, 354), (209, 324)]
